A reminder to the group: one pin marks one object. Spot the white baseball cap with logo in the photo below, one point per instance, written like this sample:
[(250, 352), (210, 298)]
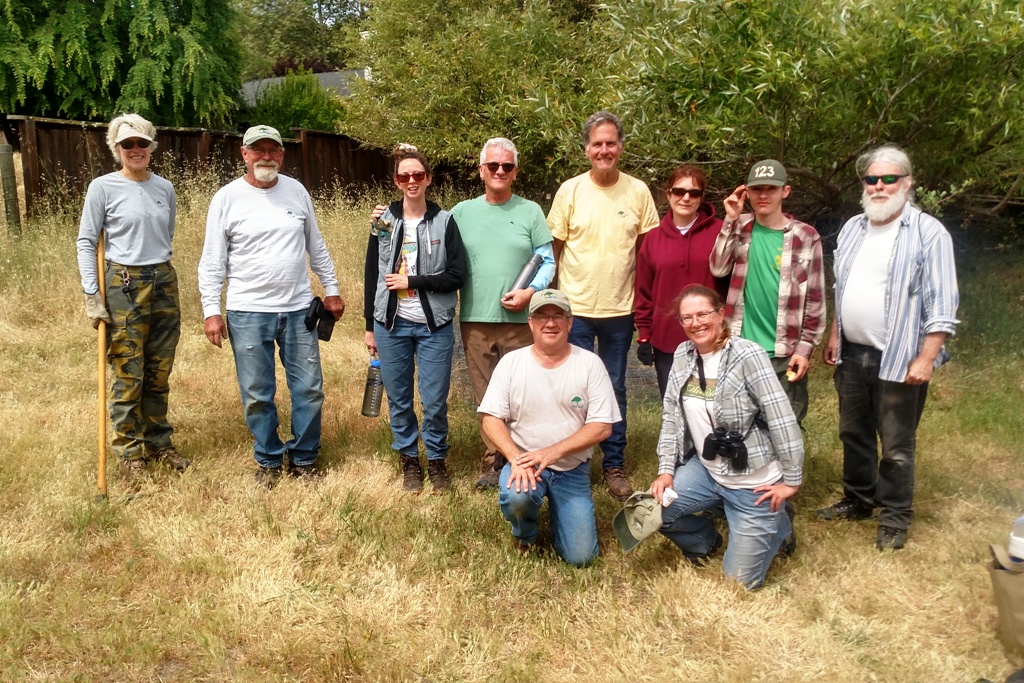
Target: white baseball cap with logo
[(257, 133)]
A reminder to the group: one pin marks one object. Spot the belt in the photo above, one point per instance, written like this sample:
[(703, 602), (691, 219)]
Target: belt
[(135, 270)]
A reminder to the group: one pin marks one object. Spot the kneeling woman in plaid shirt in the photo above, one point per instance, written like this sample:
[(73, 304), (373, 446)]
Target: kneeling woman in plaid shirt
[(729, 440)]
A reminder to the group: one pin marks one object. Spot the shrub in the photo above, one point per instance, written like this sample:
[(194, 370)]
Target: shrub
[(299, 101)]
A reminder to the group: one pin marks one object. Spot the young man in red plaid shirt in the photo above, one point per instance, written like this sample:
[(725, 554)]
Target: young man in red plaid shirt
[(777, 286)]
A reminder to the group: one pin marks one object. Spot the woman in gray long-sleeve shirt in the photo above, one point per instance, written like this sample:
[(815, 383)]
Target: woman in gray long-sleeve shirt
[(134, 211)]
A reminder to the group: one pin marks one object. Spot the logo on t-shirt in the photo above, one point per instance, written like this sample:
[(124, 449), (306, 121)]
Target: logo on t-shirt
[(576, 402)]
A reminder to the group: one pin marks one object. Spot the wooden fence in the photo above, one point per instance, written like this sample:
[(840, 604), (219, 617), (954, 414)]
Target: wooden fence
[(69, 154)]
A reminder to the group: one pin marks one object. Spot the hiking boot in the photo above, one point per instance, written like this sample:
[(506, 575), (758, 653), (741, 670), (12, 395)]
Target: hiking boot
[(846, 508), (438, 471), (617, 484), (267, 477), (133, 470), (412, 474), (309, 471), (169, 457), (700, 559), (890, 538), (788, 546), (492, 471)]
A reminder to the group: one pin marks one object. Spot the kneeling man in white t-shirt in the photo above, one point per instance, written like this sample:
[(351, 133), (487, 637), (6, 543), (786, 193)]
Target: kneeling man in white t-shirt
[(545, 409)]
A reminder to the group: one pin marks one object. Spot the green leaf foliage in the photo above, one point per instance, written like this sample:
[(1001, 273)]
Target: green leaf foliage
[(299, 101), (293, 35), (716, 82), (174, 61), (448, 74)]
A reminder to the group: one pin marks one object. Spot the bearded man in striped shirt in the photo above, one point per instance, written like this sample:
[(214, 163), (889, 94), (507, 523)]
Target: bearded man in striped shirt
[(896, 301)]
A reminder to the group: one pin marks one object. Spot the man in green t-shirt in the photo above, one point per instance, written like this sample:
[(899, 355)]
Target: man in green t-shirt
[(501, 231), (777, 289)]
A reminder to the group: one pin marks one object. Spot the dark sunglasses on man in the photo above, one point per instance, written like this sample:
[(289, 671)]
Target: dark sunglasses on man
[(886, 179), (493, 166)]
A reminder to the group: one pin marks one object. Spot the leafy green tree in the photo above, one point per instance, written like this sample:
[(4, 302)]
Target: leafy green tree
[(817, 83), (718, 82), (448, 74), (296, 35), (174, 61), (299, 101)]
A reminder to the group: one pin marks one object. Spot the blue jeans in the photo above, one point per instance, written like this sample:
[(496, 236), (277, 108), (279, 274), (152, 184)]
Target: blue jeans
[(253, 336), (614, 337), (570, 507), (408, 348), (755, 532)]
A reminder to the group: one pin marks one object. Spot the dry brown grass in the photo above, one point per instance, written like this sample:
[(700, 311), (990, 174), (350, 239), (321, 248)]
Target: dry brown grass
[(203, 577)]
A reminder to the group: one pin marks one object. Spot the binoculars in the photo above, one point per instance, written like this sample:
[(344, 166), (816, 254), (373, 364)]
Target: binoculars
[(726, 444)]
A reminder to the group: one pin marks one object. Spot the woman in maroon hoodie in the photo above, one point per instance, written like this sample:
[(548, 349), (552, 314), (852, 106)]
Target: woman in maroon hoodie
[(672, 256)]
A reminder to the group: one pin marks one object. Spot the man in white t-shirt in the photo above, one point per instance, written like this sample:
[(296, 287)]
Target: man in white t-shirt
[(896, 301), (546, 407), (260, 235)]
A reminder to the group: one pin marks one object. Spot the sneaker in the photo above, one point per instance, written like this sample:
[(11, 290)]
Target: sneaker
[(846, 508), (890, 538), (133, 470), (788, 546), (617, 484), (309, 471), (699, 559), (492, 471), (267, 477), (438, 471), (169, 458), (412, 474)]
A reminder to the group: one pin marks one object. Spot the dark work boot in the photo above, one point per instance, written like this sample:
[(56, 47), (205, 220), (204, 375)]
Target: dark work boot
[(491, 472), (412, 474), (846, 508), (169, 457), (618, 485), (438, 471)]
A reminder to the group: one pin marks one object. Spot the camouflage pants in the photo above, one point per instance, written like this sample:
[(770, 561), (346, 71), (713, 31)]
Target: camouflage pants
[(140, 348)]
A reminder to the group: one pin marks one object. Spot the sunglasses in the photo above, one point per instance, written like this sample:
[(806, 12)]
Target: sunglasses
[(886, 179), (682, 192), (132, 144), (493, 166), (403, 178)]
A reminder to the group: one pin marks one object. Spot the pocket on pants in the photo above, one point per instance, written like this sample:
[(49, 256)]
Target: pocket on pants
[(121, 348)]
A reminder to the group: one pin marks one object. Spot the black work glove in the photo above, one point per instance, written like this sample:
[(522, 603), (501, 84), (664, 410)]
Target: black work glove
[(645, 352)]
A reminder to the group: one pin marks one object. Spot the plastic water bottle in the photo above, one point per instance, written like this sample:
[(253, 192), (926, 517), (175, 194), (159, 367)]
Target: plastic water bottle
[(1016, 548), (374, 391)]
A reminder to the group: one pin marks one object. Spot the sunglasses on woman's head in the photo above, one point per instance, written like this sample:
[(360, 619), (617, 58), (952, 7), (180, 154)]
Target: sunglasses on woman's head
[(418, 176), (682, 192), (132, 144)]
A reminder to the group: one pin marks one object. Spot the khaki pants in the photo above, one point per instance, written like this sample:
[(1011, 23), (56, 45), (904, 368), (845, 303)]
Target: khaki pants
[(140, 348), (485, 344)]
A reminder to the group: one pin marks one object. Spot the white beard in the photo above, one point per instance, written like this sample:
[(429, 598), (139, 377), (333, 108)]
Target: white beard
[(265, 173), (878, 212)]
